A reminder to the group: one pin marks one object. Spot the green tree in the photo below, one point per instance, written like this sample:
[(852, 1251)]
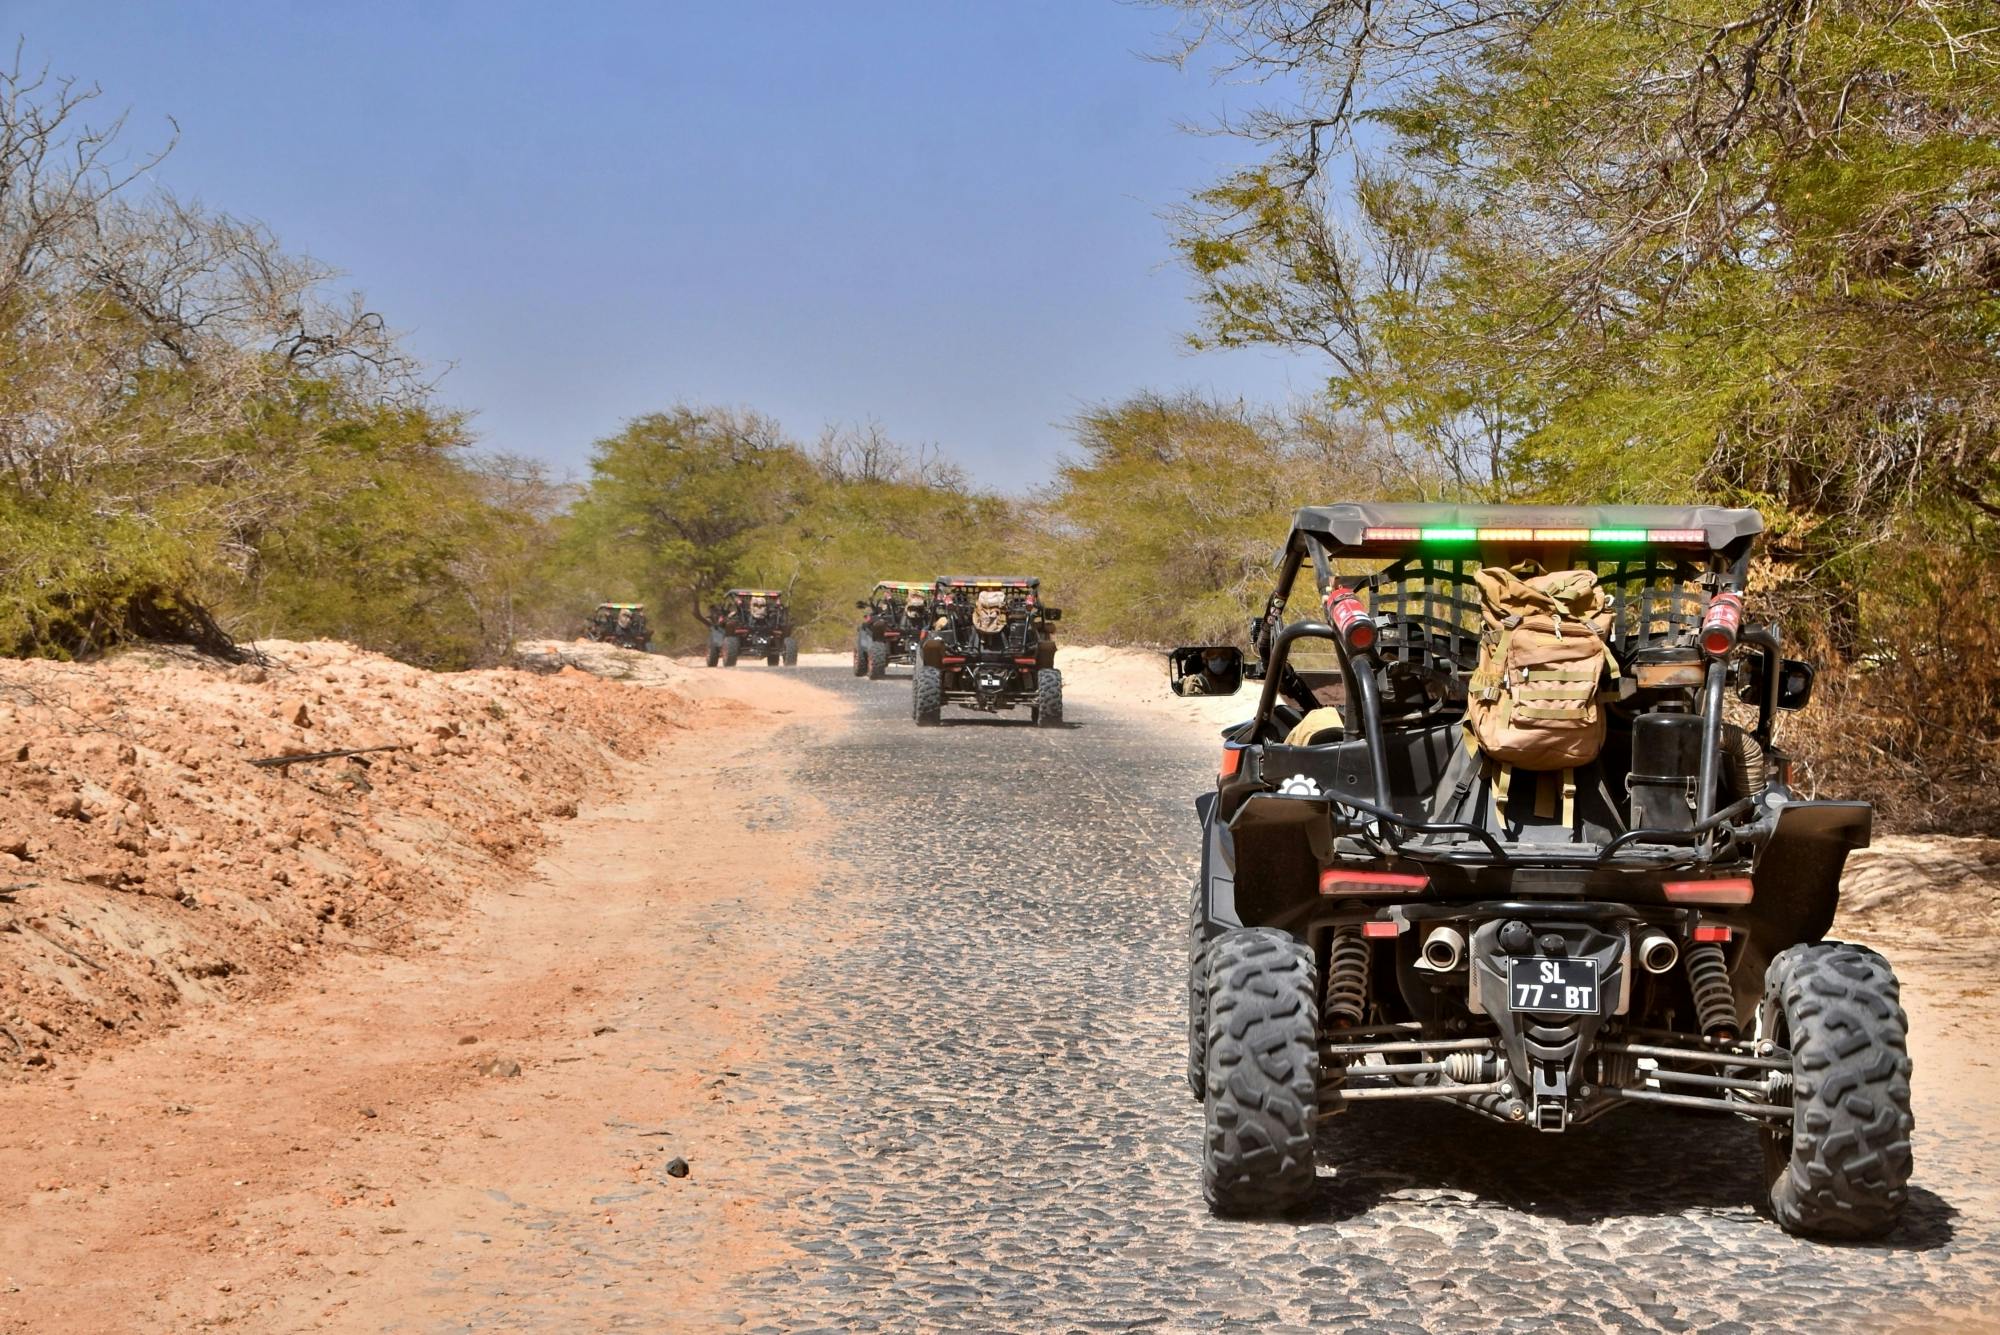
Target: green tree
[(1164, 524)]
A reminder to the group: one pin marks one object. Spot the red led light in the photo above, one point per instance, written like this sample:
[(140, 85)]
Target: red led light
[(1335, 881), (1730, 892), (1378, 930), (1707, 933), (1232, 760)]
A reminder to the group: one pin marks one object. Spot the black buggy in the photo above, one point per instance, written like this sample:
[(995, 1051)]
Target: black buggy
[(893, 620), (1386, 911), (754, 622), (989, 649), (622, 624)]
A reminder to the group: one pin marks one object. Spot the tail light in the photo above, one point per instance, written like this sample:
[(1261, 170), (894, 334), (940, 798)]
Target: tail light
[(1728, 892), (1351, 619), (1335, 881), (1720, 625)]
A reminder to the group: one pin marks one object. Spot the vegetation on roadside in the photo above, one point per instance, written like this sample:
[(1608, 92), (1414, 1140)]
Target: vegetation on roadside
[(1578, 250), (1612, 250)]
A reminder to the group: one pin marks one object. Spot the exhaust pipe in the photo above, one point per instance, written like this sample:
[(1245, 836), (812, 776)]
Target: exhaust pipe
[(1443, 949), (1657, 951)]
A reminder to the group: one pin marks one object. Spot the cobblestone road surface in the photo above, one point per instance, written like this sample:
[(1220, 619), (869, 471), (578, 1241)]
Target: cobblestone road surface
[(982, 1071)]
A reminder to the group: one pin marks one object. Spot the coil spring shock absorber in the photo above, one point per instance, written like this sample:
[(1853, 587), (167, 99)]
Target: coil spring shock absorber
[(1346, 980), (1714, 999)]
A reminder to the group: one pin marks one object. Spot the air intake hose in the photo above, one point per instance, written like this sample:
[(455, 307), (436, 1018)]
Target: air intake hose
[(1746, 765)]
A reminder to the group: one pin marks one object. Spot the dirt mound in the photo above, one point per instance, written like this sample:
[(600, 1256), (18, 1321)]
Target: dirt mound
[(1931, 881), (147, 864)]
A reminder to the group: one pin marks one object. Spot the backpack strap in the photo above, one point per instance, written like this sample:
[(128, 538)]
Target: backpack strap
[(1503, 782), (1569, 799)]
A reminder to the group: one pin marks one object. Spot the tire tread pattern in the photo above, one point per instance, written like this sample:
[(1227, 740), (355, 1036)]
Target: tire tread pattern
[(1048, 698), (927, 696), (1848, 1172), (1262, 1078)]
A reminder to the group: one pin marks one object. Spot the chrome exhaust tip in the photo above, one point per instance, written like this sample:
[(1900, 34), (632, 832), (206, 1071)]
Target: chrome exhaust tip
[(1657, 952), (1443, 949)]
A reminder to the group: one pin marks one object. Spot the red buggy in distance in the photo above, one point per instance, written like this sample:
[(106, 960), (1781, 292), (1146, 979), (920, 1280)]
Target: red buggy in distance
[(989, 648), (894, 618), (753, 621)]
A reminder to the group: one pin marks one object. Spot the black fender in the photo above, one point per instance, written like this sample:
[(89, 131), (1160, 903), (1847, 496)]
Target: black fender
[(1798, 875), (1215, 887)]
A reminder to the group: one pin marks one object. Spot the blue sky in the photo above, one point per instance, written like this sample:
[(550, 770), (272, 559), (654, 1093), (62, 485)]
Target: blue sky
[(937, 215)]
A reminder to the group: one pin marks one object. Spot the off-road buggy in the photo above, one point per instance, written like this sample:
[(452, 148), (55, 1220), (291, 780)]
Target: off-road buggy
[(893, 620), (1386, 910), (754, 622), (622, 624), (989, 649)]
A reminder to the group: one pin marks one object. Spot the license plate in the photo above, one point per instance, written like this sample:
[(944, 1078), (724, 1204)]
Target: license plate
[(1562, 987)]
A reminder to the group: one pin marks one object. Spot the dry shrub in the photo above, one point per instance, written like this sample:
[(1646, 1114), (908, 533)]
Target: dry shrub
[(1913, 723)]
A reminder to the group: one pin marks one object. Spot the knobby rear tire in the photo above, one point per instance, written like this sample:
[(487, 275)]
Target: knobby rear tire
[(1197, 988), (1048, 698), (1842, 1168), (927, 696), (1261, 1083), (731, 648)]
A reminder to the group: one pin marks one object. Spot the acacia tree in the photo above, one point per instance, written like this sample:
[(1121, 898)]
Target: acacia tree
[(676, 500), (1612, 246), (174, 388), (1163, 523), (1626, 250)]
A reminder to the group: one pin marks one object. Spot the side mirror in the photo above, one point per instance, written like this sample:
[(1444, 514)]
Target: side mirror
[(861, 604), (1052, 614), (1795, 683), (1205, 670)]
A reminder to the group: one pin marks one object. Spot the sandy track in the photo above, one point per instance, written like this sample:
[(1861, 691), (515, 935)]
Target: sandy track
[(713, 965), (336, 1158)]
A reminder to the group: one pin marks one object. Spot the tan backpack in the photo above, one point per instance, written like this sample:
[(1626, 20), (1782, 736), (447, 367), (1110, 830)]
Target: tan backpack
[(1534, 700)]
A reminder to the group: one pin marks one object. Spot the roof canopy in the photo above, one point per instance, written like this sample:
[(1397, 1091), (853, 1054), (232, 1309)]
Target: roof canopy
[(989, 582), (755, 593), (905, 585), (1378, 526), (621, 607)]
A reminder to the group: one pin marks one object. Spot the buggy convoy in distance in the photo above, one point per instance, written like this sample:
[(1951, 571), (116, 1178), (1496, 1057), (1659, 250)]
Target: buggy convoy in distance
[(1507, 847), (752, 621), (893, 620), (988, 649), (622, 624)]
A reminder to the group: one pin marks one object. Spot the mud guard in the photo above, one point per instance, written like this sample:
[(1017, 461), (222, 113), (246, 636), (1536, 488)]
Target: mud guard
[(1216, 887), (1798, 876), (1262, 866)]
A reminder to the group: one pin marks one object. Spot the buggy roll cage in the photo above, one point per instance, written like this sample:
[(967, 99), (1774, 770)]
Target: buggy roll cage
[(1709, 546)]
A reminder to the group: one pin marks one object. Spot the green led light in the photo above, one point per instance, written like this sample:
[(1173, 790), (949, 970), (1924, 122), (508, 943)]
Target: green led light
[(1618, 535), (1451, 535)]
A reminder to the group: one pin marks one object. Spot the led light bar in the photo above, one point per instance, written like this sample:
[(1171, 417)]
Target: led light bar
[(1669, 537)]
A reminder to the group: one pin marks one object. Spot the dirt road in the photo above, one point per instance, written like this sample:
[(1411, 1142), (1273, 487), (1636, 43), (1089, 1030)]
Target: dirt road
[(909, 1005)]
